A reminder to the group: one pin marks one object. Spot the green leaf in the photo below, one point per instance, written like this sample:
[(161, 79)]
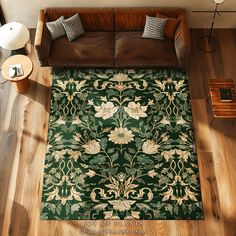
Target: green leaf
[(140, 124), (169, 208), (129, 171), (100, 123), (101, 206), (112, 171), (58, 209), (74, 208), (44, 216), (110, 150), (103, 143), (67, 208), (128, 157), (102, 181), (138, 142), (129, 93), (112, 93), (84, 157), (131, 150), (97, 160), (141, 181), (176, 210), (80, 179), (143, 206), (115, 156), (51, 207), (145, 160)]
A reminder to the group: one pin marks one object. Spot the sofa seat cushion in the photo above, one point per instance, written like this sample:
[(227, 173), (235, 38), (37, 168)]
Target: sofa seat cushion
[(94, 49), (131, 50)]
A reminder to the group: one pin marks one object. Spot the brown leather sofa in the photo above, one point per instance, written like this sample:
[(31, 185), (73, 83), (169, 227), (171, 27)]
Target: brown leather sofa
[(112, 39)]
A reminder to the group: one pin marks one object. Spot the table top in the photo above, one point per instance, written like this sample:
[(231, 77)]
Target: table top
[(219, 108), (17, 59)]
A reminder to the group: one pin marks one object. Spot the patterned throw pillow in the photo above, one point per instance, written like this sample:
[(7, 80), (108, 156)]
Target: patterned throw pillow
[(171, 26), (73, 27), (154, 28), (56, 28)]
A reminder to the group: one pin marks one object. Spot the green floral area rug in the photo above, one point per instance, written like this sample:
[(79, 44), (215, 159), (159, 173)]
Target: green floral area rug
[(121, 146)]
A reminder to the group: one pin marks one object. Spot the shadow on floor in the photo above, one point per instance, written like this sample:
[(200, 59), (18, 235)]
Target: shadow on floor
[(39, 93), (19, 221)]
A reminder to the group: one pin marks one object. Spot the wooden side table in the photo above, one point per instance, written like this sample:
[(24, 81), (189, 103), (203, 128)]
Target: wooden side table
[(21, 82), (221, 109)]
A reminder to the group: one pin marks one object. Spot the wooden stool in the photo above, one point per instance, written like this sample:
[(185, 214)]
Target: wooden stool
[(218, 108), (21, 82)]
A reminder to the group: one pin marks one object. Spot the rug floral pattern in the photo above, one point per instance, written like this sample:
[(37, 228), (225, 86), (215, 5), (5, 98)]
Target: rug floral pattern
[(121, 146)]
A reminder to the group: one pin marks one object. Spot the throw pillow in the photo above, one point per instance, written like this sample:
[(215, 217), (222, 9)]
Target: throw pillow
[(154, 28), (56, 28), (73, 27), (171, 25)]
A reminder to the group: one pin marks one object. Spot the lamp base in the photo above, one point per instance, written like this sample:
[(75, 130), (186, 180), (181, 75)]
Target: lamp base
[(20, 51), (207, 44)]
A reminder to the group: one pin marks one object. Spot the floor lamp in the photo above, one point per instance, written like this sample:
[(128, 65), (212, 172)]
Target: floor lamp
[(14, 36), (208, 43)]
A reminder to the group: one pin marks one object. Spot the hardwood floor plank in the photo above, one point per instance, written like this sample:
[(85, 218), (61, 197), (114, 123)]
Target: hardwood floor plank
[(228, 49), (7, 147), (194, 69), (201, 125), (223, 135)]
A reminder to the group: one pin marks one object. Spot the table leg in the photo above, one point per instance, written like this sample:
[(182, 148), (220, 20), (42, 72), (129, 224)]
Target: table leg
[(208, 103), (212, 119), (20, 51), (22, 86)]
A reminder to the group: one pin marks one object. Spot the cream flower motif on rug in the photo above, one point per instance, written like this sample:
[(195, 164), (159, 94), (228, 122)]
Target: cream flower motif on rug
[(152, 173), (121, 136), (168, 154), (109, 215), (121, 205), (134, 215), (59, 154), (135, 110), (183, 154), (106, 110), (90, 173), (120, 77), (92, 147), (74, 154), (77, 137), (150, 147)]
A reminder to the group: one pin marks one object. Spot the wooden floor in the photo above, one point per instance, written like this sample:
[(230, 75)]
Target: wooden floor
[(23, 134)]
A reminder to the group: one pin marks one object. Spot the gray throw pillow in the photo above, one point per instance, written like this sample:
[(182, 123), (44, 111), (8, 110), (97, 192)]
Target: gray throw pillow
[(154, 28), (56, 28), (73, 27)]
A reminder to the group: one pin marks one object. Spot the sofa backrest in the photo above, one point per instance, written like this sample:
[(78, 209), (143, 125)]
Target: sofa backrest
[(93, 19), (133, 19), (112, 19)]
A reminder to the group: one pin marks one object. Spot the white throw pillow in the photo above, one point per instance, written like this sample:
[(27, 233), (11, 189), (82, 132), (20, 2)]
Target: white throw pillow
[(73, 27), (56, 28), (154, 28)]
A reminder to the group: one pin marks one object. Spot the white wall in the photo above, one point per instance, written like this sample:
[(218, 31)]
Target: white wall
[(26, 11)]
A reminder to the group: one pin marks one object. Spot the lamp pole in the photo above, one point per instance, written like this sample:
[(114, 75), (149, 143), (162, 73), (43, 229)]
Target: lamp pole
[(208, 43), (213, 22)]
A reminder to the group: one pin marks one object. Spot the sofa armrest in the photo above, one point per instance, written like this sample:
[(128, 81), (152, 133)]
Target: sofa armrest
[(182, 41), (42, 40)]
